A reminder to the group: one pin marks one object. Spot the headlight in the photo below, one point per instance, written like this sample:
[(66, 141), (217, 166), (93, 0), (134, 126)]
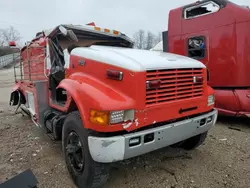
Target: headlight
[(210, 100), (121, 116), (116, 117)]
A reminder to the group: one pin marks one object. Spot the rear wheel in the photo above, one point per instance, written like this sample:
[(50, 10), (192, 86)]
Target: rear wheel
[(194, 142), (85, 172)]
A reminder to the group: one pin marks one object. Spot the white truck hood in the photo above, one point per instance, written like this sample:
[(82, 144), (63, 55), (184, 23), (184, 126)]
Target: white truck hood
[(134, 59)]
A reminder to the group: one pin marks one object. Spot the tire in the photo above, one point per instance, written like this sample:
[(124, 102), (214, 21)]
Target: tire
[(88, 173), (194, 142)]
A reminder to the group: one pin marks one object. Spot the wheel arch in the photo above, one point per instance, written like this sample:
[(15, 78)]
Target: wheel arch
[(72, 104), (85, 93)]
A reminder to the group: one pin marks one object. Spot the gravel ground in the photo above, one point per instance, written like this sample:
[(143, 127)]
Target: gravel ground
[(223, 161)]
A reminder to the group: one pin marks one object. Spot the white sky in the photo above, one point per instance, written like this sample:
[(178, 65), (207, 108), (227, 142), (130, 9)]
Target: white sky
[(128, 16)]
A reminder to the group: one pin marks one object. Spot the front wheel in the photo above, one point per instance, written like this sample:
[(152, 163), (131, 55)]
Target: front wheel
[(194, 142), (85, 172)]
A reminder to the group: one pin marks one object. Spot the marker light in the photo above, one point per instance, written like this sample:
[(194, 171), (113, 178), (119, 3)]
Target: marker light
[(115, 32), (107, 30), (153, 84), (114, 75), (97, 28), (12, 44), (198, 79), (91, 23)]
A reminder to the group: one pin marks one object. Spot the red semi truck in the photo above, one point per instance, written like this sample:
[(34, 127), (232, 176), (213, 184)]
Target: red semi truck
[(108, 102), (215, 32)]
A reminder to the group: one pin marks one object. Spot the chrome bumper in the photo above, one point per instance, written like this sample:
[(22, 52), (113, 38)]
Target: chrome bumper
[(117, 148)]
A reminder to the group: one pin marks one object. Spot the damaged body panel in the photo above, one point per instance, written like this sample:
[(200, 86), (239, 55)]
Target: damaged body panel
[(117, 148)]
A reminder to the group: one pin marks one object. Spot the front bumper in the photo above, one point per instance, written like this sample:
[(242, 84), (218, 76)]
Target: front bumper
[(117, 148)]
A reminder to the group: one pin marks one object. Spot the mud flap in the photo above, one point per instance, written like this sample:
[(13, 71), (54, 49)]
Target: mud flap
[(17, 98), (24, 180)]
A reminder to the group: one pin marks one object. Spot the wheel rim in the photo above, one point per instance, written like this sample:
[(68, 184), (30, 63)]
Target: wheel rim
[(75, 153)]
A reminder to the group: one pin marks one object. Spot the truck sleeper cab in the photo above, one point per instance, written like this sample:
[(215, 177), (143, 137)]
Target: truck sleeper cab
[(215, 32), (110, 102)]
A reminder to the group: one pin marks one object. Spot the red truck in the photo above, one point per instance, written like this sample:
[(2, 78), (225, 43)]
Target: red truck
[(215, 32), (108, 102)]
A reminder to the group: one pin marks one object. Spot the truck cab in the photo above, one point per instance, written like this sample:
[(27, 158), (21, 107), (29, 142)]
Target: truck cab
[(108, 102), (215, 32)]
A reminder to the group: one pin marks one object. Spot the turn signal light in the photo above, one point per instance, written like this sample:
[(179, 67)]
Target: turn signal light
[(153, 84), (99, 117), (114, 75)]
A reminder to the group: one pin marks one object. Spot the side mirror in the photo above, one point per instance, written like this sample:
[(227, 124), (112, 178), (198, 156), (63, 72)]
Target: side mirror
[(68, 33), (63, 30), (72, 36), (12, 44)]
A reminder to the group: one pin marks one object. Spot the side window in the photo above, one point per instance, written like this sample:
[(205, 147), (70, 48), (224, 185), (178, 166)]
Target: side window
[(201, 10), (197, 47)]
